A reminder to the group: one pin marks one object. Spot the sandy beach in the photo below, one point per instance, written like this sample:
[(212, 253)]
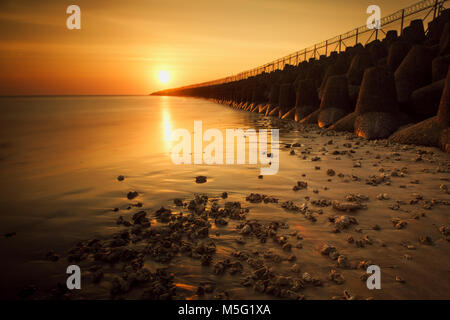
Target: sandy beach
[(309, 232)]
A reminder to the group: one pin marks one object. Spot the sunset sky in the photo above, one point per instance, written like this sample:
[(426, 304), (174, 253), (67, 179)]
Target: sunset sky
[(124, 45)]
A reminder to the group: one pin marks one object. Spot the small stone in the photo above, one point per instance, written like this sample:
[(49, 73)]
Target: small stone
[(246, 229), (300, 185), (283, 281), (200, 179), (51, 256), (383, 196), (426, 240), (331, 172), (178, 202), (200, 290), (444, 230), (307, 277), (343, 262), (120, 178), (221, 221), (97, 276), (292, 258), (398, 223), (132, 194), (347, 206), (10, 235), (336, 277)]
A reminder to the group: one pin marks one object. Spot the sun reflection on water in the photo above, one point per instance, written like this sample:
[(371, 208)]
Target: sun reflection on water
[(166, 127)]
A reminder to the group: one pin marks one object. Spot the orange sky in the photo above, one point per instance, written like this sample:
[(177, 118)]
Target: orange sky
[(122, 45)]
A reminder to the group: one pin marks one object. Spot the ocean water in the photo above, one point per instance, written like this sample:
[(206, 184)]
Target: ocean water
[(60, 157)]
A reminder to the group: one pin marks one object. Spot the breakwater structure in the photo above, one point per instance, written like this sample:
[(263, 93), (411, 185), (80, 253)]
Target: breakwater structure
[(388, 83)]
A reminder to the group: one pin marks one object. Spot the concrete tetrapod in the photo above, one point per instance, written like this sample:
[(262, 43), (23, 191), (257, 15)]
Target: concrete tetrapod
[(433, 132), (286, 101), (273, 98), (335, 102), (307, 100), (377, 107), (414, 72)]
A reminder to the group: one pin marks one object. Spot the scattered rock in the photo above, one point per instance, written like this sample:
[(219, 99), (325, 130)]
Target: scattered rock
[(347, 206), (178, 202), (51, 256), (300, 185), (383, 196), (398, 223), (342, 222), (336, 277), (132, 194), (200, 179), (427, 240)]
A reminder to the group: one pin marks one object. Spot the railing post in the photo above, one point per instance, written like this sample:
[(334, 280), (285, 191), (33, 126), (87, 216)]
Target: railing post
[(436, 5), (403, 20), (435, 8)]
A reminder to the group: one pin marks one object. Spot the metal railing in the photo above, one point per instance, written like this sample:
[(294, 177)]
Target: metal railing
[(425, 10)]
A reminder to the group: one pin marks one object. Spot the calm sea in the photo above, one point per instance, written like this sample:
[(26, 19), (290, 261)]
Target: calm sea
[(60, 157)]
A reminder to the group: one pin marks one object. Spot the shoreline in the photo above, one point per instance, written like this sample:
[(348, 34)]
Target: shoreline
[(354, 196)]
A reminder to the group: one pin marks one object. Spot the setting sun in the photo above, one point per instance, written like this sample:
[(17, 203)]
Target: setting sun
[(164, 76)]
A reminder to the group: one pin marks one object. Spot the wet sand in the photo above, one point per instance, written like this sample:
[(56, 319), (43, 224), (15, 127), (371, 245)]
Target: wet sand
[(274, 250)]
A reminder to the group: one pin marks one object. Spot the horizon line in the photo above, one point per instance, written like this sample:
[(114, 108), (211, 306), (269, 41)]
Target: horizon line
[(73, 95)]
